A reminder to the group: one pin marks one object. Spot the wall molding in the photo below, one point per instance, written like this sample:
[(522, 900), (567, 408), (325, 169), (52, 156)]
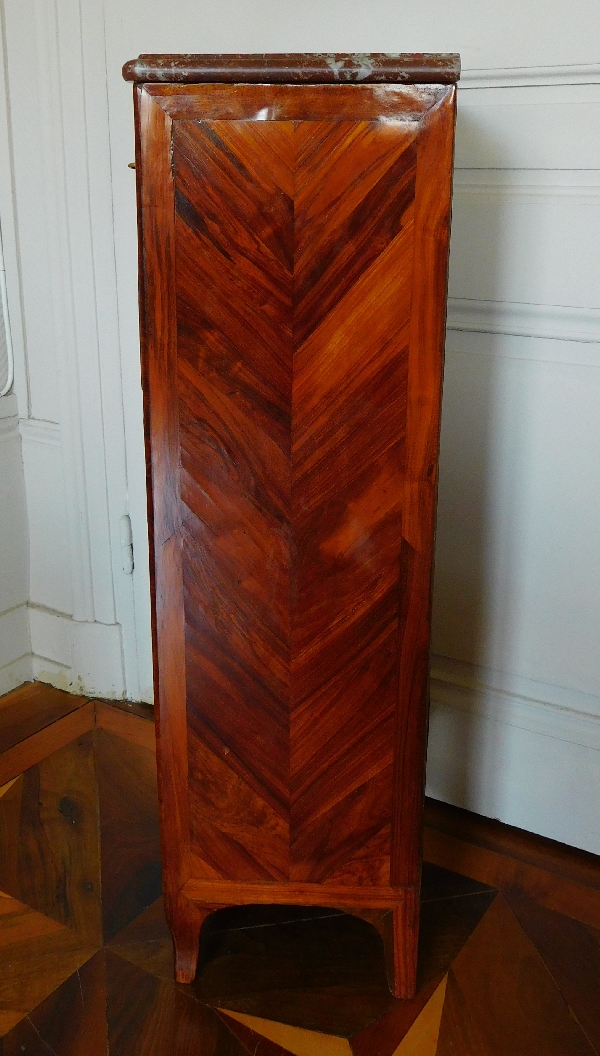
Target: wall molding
[(519, 187), (36, 431), (9, 429), (552, 711), (524, 320), (524, 76), (533, 349)]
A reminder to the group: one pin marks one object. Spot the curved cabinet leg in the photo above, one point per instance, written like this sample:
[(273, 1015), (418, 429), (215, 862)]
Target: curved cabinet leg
[(399, 930), (186, 923)]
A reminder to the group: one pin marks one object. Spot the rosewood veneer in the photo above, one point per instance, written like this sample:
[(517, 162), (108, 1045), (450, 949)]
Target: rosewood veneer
[(294, 219)]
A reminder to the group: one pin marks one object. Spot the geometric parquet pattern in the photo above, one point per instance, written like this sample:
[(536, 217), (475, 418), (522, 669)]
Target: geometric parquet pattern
[(87, 963)]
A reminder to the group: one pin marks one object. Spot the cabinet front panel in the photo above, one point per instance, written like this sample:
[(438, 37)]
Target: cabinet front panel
[(294, 264)]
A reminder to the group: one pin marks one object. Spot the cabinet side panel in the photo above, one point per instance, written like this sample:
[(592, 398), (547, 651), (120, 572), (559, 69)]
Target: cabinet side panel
[(159, 371), (234, 255), (354, 219), (425, 372)]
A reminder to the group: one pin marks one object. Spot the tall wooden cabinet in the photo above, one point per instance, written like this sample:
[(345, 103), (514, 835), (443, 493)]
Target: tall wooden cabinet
[(294, 218)]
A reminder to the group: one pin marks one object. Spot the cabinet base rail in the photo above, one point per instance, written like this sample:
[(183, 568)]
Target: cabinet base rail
[(393, 911)]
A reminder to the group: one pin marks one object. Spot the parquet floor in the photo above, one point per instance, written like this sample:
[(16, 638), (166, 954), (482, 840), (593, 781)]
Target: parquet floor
[(510, 931)]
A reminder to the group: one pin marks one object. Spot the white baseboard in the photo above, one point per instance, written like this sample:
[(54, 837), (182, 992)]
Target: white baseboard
[(80, 657), (16, 673), (553, 711), (521, 751), (14, 635)]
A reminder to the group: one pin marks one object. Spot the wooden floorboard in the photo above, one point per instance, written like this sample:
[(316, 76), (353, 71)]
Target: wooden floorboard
[(571, 954), (30, 709), (568, 863), (578, 900), (131, 726), (39, 746), (502, 1000)]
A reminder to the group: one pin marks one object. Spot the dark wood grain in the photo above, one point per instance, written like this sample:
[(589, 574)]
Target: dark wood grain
[(158, 332), (14, 761), (253, 1042), (382, 1037), (37, 954), (128, 810), (495, 982), (147, 1017), (561, 878), (293, 68), (460, 1033), (437, 882), (137, 728), (313, 968), (148, 943), (31, 708), (294, 251), (70, 1022), (51, 860), (10, 826), (445, 926), (571, 954), (564, 862)]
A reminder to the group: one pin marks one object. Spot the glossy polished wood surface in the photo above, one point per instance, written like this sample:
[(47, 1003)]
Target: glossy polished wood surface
[(293, 249)]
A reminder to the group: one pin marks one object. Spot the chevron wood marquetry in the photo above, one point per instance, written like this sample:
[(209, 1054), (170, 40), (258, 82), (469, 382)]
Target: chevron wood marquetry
[(293, 243)]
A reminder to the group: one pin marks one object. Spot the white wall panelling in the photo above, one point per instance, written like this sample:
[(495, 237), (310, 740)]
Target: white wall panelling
[(553, 127), (7, 362), (51, 578), (15, 649), (518, 565), (515, 748), (15, 659), (504, 758), (76, 476), (515, 722), (534, 243), (513, 35), (517, 594)]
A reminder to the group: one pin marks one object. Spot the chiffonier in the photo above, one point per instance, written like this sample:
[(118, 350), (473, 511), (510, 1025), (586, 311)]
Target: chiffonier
[(294, 218)]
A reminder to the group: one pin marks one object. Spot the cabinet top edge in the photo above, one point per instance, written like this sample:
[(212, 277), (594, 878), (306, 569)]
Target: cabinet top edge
[(319, 68)]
